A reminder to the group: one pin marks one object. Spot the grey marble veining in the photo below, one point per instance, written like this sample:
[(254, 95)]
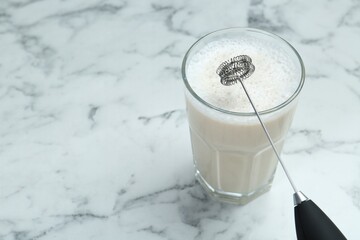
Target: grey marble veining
[(94, 140)]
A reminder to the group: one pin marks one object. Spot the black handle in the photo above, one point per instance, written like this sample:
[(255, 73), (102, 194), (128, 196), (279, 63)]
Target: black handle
[(313, 224)]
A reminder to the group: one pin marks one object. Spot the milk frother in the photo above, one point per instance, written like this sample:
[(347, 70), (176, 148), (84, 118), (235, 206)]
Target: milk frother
[(310, 221)]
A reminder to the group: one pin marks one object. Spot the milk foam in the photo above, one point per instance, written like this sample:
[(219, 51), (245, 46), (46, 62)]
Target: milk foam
[(273, 82)]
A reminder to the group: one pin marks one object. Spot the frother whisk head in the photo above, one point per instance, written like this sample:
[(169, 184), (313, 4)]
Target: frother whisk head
[(235, 69)]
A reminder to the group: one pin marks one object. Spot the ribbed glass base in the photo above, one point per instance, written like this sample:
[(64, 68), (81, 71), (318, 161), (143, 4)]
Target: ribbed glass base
[(230, 197)]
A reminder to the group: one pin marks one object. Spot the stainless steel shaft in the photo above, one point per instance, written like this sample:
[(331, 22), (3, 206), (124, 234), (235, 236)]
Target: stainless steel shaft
[(268, 136)]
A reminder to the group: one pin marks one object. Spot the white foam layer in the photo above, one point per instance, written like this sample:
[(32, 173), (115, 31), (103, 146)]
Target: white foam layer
[(275, 78)]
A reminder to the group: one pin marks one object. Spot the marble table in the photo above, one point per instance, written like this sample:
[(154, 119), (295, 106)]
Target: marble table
[(94, 140)]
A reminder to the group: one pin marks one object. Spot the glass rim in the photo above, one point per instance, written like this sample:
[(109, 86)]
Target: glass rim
[(267, 111)]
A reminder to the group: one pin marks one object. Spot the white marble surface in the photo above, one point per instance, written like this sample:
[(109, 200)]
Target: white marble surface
[(94, 141)]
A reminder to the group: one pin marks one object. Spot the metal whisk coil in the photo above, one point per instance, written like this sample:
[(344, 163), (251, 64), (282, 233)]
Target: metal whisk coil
[(235, 69)]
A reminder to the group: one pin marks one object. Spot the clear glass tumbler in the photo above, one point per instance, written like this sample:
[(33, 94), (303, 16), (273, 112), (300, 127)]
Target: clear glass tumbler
[(233, 159)]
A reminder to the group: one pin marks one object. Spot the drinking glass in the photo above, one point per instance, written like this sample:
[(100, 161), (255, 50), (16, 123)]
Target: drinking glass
[(233, 159)]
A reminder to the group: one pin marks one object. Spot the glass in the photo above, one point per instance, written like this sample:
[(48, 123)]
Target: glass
[(233, 159)]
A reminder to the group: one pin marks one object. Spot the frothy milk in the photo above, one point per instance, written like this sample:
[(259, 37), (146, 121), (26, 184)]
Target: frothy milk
[(272, 83), (231, 152)]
